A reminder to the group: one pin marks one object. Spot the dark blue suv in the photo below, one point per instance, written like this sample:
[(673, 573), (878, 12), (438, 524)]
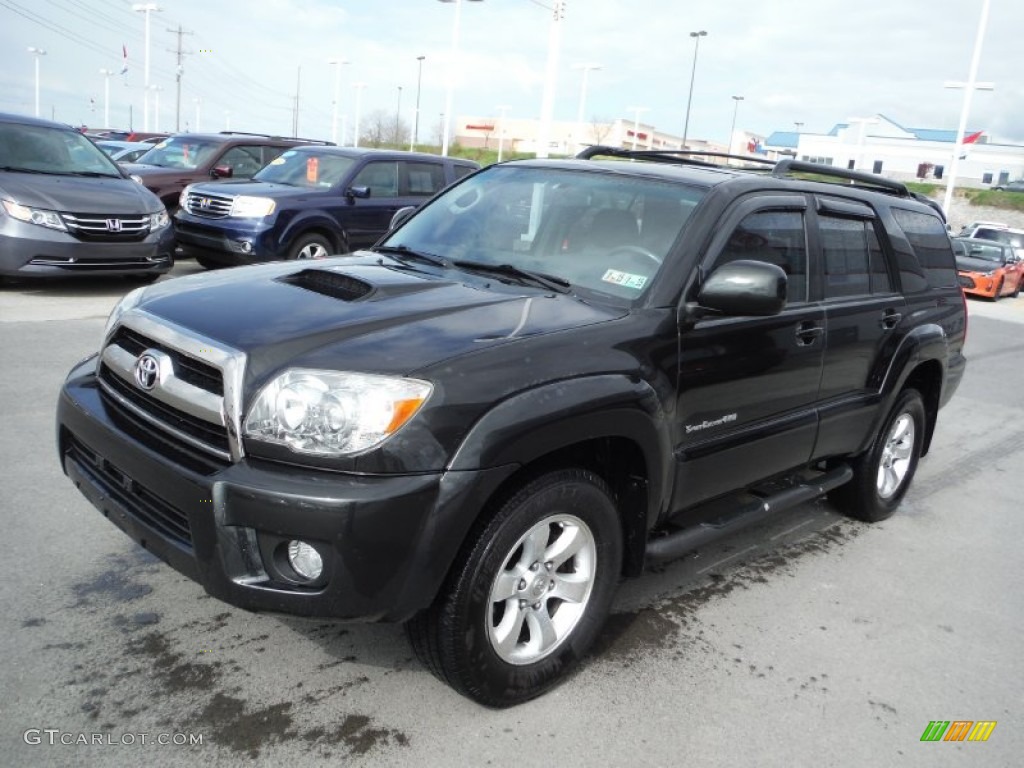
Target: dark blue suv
[(307, 203)]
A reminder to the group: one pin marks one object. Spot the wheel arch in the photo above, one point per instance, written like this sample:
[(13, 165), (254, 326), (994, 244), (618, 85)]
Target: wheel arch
[(313, 225)]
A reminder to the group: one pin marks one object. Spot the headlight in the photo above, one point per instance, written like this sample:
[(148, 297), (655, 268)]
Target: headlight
[(246, 207), (327, 413), (38, 216), (158, 220), (126, 303), (183, 197)]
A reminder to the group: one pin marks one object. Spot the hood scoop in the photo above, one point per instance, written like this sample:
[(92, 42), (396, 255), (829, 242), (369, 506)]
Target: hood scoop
[(337, 285)]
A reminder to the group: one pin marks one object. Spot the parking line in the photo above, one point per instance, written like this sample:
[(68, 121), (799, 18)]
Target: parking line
[(727, 559), (790, 530)]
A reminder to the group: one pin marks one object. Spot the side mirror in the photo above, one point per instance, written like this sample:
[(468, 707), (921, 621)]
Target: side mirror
[(222, 172), (745, 287), (401, 216), (361, 192)]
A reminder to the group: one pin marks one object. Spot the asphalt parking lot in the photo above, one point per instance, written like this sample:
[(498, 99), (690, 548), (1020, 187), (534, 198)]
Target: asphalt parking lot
[(810, 640)]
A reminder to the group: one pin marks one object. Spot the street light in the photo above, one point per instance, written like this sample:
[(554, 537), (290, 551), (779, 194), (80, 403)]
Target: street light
[(416, 118), (337, 64), (502, 109), (359, 98), (146, 8), (37, 52), (636, 120), (106, 96), (398, 118), (732, 131), (547, 104), (449, 97), (156, 107), (583, 97), (693, 73), (969, 88)]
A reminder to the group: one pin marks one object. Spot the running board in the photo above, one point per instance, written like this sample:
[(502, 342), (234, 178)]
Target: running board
[(679, 543)]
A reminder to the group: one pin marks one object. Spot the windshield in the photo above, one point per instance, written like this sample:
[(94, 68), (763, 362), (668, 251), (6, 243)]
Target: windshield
[(1016, 239), (601, 232), (317, 170), (180, 152), (41, 149), (984, 252)]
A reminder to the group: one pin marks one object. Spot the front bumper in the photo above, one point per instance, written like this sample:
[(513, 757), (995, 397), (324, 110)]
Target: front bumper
[(28, 250), (977, 284), (231, 242), (386, 541)]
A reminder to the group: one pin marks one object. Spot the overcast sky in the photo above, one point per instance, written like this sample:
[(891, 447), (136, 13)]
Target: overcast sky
[(816, 62)]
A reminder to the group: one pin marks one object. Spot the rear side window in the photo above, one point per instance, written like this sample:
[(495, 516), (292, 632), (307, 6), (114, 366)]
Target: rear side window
[(928, 237), (462, 171), (854, 264), (425, 178)]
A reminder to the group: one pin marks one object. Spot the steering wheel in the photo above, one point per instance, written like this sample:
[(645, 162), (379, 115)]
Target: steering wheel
[(635, 250)]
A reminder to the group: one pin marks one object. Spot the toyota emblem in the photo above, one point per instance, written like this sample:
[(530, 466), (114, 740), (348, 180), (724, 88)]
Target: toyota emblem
[(147, 371)]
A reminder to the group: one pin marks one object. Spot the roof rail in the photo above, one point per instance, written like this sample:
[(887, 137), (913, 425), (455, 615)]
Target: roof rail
[(788, 165), (279, 138), (680, 156)]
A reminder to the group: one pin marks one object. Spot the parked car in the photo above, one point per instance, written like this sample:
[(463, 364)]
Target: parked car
[(988, 268), (999, 234), (1011, 186), (186, 158), (66, 208), (123, 151), (552, 374), (308, 203)]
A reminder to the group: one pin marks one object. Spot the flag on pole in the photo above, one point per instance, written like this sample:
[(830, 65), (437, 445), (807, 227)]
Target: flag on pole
[(124, 60), (971, 138)]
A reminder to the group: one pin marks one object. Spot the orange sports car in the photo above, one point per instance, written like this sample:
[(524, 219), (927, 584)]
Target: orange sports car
[(988, 268)]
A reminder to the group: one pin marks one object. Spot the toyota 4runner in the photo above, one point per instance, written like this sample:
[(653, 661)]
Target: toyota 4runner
[(552, 374)]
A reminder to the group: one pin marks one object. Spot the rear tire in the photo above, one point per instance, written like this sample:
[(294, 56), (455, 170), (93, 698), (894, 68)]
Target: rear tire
[(529, 594), (882, 475)]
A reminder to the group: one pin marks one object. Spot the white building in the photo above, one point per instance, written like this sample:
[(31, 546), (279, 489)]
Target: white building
[(880, 145)]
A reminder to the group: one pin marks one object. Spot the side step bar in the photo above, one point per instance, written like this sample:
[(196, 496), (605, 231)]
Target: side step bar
[(679, 543)]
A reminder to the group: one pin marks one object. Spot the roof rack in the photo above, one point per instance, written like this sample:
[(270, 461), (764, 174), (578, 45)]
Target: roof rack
[(680, 156), (279, 138), (788, 165)]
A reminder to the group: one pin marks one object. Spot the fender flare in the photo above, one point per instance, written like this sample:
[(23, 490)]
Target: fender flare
[(544, 419), (307, 220)]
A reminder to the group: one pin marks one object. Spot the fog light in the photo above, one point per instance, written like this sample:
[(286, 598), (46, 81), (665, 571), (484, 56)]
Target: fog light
[(305, 560), (246, 246)]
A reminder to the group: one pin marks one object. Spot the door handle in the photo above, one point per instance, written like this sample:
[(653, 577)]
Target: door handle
[(807, 332), (890, 320)]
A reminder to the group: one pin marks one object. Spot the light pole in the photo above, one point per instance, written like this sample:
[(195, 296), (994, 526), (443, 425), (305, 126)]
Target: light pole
[(416, 117), (583, 98), (156, 107), (450, 95), (636, 120), (106, 96), (146, 9), (398, 118), (37, 52), (965, 110), (732, 131), (359, 99), (337, 63), (547, 104), (502, 109), (693, 73)]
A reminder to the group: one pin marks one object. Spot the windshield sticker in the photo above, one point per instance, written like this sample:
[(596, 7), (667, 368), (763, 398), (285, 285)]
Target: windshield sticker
[(312, 169), (637, 282)]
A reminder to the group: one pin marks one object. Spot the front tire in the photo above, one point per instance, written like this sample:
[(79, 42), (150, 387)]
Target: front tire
[(310, 247), (530, 594), (882, 475)]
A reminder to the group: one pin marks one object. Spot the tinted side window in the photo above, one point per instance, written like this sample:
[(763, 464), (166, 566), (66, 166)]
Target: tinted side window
[(462, 170), (931, 244), (244, 161), (425, 178), (381, 177), (776, 237), (853, 261)]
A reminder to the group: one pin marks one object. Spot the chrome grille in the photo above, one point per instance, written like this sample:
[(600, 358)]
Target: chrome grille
[(207, 205), (104, 227), (186, 399)]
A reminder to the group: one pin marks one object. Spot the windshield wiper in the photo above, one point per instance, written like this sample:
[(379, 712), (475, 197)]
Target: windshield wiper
[(93, 174), (559, 284), (404, 252), (12, 169)]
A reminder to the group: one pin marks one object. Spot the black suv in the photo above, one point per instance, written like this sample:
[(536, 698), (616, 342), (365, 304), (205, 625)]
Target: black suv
[(553, 374), (308, 203), (185, 158)]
